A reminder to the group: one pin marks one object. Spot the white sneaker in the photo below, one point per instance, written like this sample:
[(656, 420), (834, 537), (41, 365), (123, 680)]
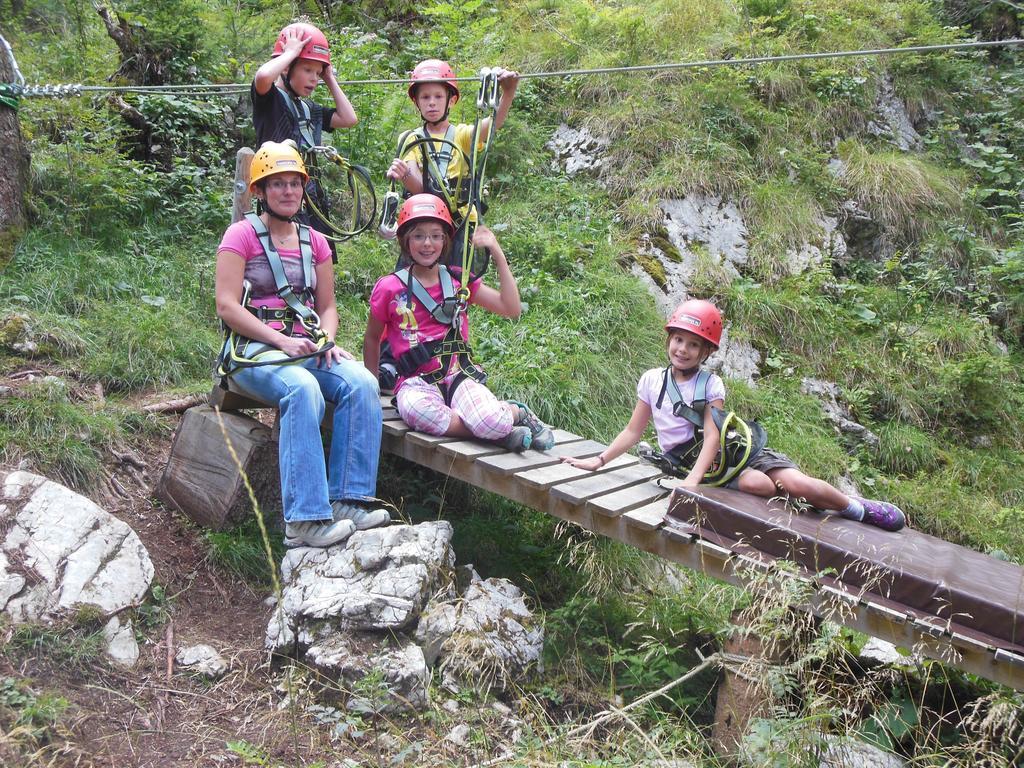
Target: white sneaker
[(361, 516), (317, 533)]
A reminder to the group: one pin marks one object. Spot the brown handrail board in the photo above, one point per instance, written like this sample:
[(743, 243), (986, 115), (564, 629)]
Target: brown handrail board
[(545, 477), (511, 463), (597, 484), (614, 504)]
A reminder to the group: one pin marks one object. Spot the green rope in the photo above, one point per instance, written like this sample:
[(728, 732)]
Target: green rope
[(10, 94)]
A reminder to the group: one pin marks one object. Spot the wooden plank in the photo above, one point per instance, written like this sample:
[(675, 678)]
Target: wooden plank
[(545, 477), (470, 449), (598, 484), (422, 438), (510, 463), (389, 414), (648, 517), (561, 436), (397, 428), (614, 504)]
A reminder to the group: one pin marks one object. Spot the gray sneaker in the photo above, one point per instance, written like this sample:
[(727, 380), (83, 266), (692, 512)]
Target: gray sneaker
[(518, 440), (543, 437), (317, 533), (361, 516)]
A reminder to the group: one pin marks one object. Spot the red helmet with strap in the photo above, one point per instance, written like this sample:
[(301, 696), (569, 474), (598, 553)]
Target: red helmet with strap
[(699, 317), (433, 71), (316, 47), (425, 206)]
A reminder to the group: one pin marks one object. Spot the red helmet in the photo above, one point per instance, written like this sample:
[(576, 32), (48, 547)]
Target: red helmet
[(698, 317), (425, 206), (433, 71), (316, 48)]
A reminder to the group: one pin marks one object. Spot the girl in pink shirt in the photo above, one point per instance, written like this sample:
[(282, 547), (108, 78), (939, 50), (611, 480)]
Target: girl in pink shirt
[(422, 311)]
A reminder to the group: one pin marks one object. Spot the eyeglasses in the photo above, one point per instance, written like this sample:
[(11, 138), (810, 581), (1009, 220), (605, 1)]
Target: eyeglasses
[(422, 237), (279, 185)]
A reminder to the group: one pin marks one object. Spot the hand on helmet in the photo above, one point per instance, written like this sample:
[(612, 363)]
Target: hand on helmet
[(295, 41)]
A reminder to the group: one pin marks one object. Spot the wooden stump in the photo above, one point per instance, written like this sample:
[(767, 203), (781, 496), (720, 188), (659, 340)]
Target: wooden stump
[(738, 701), (204, 482)]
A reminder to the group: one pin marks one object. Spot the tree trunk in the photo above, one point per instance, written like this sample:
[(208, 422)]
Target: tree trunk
[(14, 179), (140, 65)]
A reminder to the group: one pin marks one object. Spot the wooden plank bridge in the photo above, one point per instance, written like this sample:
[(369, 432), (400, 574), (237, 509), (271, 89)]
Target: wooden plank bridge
[(624, 501)]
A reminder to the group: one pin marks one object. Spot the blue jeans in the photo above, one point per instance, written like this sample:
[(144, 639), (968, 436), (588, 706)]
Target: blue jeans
[(300, 391)]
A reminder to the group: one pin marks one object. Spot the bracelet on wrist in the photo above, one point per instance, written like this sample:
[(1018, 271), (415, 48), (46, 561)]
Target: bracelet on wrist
[(600, 457)]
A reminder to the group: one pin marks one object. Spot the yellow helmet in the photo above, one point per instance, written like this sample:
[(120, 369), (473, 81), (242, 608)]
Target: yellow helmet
[(276, 157)]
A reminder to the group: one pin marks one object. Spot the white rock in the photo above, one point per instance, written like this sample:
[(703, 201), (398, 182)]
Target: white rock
[(405, 678), (488, 638), (202, 659), (736, 358), (60, 551), (122, 648), (848, 753), (884, 652), (377, 580), (840, 416), (459, 735), (576, 149)]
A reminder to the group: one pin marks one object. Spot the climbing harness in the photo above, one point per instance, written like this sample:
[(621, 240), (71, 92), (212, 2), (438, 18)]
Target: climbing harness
[(464, 198), (353, 197), (452, 347), (739, 441), (239, 351)]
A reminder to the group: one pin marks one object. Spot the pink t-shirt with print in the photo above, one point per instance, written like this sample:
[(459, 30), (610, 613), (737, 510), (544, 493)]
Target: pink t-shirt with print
[(673, 430), (407, 321), (241, 238)]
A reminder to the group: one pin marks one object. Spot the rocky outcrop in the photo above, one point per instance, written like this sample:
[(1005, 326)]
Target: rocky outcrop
[(893, 121), (576, 150), (61, 553), (353, 612), (840, 416), (486, 638)]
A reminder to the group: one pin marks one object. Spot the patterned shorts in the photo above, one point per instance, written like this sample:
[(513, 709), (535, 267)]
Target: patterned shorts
[(422, 407)]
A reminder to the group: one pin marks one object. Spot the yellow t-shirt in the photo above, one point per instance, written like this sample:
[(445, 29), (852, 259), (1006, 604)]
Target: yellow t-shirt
[(457, 167)]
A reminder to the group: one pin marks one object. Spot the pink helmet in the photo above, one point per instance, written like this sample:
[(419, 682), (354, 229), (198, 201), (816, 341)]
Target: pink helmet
[(425, 206), (698, 317), (433, 71), (316, 48)]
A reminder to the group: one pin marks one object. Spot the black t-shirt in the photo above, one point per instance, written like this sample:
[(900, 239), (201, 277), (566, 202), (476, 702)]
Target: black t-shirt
[(273, 121)]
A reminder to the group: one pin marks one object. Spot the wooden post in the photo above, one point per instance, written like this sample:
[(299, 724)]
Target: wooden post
[(240, 190), (201, 478), (738, 700)]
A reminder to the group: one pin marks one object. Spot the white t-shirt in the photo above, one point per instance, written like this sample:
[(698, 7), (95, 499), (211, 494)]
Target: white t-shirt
[(673, 430)]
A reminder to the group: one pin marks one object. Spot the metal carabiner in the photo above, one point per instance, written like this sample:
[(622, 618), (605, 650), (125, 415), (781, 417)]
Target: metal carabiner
[(388, 228), (487, 96)]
